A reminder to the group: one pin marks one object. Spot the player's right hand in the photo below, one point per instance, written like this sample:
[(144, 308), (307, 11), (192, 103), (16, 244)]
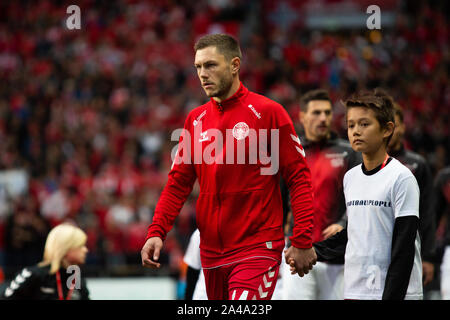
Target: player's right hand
[(150, 252), (300, 260)]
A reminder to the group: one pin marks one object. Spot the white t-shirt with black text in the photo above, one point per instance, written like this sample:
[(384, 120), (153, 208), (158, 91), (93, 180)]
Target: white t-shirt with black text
[(373, 203)]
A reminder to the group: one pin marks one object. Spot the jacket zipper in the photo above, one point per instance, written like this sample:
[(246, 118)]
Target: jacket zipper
[(218, 224), (220, 107)]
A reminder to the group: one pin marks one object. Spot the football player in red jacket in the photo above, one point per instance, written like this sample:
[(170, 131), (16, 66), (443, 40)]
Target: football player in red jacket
[(237, 145)]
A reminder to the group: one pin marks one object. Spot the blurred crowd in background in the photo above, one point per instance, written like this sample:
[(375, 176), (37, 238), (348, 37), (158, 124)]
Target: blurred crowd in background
[(86, 115)]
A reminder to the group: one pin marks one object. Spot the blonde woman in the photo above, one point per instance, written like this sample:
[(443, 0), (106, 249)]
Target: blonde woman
[(58, 276)]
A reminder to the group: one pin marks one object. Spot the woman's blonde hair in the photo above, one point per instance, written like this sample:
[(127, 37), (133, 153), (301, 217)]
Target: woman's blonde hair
[(60, 240)]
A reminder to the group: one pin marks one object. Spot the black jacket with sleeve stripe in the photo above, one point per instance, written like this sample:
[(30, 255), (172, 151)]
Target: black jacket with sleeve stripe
[(36, 283)]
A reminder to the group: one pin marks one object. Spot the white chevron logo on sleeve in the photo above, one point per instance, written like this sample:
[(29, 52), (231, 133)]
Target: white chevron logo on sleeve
[(262, 294), (26, 273), (19, 279), (296, 139), (244, 295), (14, 285), (302, 152), (271, 274), (267, 284), (8, 292)]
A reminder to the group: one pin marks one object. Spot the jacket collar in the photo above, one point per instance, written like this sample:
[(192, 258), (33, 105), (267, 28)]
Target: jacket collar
[(240, 93)]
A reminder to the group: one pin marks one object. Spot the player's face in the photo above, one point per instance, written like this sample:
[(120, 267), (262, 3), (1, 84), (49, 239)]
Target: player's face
[(364, 131), (214, 72), (77, 255), (399, 132), (317, 120)]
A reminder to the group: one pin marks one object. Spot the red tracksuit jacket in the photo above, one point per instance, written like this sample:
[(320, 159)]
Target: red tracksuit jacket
[(238, 207)]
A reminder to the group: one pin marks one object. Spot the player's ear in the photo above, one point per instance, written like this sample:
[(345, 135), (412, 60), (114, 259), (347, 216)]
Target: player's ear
[(235, 65)]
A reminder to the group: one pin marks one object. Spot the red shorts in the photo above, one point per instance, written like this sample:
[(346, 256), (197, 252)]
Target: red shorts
[(251, 278)]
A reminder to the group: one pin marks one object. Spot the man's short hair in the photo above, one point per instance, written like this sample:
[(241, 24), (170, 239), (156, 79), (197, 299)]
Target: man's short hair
[(377, 100), (225, 44), (312, 95)]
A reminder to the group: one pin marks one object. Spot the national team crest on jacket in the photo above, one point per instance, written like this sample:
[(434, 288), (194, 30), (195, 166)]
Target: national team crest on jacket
[(240, 130)]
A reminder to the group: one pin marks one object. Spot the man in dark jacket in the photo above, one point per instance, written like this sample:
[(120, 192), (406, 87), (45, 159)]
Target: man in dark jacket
[(441, 192), (422, 172)]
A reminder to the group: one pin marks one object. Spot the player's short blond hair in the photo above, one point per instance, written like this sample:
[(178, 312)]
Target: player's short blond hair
[(59, 241)]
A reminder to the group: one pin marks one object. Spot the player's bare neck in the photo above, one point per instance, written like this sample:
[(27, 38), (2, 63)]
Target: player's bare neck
[(374, 159)]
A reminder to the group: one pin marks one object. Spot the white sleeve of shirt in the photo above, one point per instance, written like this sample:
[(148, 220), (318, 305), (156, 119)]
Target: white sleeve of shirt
[(406, 197), (192, 255)]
